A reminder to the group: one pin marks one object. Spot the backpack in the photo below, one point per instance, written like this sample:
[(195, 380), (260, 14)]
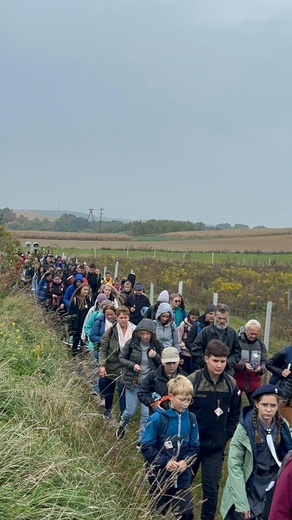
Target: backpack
[(164, 420), (198, 377)]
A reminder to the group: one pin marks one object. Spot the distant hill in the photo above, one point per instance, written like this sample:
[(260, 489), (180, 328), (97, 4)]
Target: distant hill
[(53, 214)]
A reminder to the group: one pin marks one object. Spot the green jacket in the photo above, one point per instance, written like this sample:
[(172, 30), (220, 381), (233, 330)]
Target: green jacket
[(240, 467), (109, 352)]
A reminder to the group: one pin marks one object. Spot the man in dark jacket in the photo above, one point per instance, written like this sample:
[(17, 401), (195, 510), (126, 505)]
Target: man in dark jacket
[(217, 404), (94, 279), (218, 330), (154, 385), (135, 303)]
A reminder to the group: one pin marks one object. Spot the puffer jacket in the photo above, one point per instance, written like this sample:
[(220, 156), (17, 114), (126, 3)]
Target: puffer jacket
[(184, 444), (155, 382), (132, 353)]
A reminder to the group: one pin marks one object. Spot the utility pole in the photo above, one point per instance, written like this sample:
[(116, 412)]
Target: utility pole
[(91, 210), (100, 218)]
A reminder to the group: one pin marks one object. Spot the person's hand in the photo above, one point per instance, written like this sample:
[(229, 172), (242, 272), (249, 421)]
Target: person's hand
[(151, 353), (248, 366), (258, 369), (137, 368), (132, 309), (172, 465), (246, 514), (102, 372), (286, 372), (182, 466), (156, 403)]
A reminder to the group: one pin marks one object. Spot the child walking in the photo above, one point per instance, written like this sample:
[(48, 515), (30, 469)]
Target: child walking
[(170, 444)]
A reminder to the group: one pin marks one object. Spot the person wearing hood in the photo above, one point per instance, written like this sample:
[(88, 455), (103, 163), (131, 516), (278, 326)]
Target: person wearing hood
[(260, 442), (78, 280), (165, 328), (170, 445), (140, 356), (163, 297), (183, 331)]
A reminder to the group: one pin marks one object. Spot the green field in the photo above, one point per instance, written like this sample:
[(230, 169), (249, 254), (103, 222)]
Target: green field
[(248, 259)]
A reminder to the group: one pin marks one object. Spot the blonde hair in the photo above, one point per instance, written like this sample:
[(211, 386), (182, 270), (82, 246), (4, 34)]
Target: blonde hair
[(180, 385)]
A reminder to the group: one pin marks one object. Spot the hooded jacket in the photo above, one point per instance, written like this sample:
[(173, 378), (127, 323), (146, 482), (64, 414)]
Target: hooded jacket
[(71, 289), (184, 443), (167, 332), (156, 382), (132, 353)]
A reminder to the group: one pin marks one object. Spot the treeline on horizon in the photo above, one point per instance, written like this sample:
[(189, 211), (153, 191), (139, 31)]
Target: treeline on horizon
[(71, 223)]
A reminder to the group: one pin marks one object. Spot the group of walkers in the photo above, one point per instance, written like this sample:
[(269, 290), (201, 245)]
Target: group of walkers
[(186, 371)]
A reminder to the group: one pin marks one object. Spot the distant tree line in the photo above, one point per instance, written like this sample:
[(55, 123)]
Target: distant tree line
[(69, 222)]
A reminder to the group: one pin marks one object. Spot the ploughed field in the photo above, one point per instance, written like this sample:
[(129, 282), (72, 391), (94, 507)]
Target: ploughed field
[(253, 240)]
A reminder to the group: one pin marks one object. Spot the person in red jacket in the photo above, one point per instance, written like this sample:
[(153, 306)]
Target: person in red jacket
[(281, 508)]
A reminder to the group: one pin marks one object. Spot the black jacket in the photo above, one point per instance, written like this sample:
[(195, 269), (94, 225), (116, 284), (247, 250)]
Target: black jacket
[(131, 355), (155, 382), (276, 364), (138, 302), (215, 429), (227, 336), (195, 329)]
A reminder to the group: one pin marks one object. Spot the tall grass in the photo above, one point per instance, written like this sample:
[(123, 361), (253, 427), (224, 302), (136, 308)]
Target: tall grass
[(58, 458)]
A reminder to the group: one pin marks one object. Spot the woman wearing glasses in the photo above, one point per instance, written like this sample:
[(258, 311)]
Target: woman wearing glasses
[(261, 441), (178, 308)]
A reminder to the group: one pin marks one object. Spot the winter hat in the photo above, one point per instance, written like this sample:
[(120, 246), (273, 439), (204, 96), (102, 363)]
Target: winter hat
[(163, 307), (105, 302), (163, 297), (101, 297), (266, 390), (210, 308), (169, 355)]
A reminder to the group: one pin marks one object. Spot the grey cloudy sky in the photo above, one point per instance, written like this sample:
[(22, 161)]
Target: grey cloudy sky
[(148, 108)]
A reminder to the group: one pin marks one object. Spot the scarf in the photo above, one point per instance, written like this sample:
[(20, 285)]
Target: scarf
[(124, 337)]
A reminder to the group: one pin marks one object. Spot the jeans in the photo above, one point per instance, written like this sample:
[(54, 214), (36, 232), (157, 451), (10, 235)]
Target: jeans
[(132, 403), (107, 389), (211, 466)]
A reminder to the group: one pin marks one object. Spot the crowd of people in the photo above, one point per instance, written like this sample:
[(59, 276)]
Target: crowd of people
[(186, 371)]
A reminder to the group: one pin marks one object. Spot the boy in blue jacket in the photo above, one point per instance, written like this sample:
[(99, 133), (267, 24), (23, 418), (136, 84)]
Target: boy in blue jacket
[(170, 444)]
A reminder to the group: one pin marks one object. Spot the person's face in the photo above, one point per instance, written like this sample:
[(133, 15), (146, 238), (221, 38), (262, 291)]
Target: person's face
[(110, 315), (193, 318), (146, 336), (176, 301), (252, 332), (57, 279), (79, 270), (221, 320), (209, 317), (78, 282), (42, 270), (139, 293), (84, 292), (123, 319), (164, 317), (107, 277), (215, 365), (91, 270), (180, 402), (107, 291), (267, 407), (51, 268), (170, 367), (127, 286)]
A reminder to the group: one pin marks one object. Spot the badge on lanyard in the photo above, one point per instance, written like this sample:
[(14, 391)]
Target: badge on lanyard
[(218, 411)]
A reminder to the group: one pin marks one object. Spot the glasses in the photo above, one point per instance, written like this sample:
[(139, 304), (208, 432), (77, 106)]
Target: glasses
[(176, 301), (187, 400)]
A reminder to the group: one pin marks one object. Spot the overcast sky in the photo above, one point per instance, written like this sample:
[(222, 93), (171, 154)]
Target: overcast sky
[(175, 109)]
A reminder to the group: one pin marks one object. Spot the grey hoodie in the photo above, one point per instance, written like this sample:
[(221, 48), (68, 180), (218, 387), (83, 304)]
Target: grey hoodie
[(167, 333)]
